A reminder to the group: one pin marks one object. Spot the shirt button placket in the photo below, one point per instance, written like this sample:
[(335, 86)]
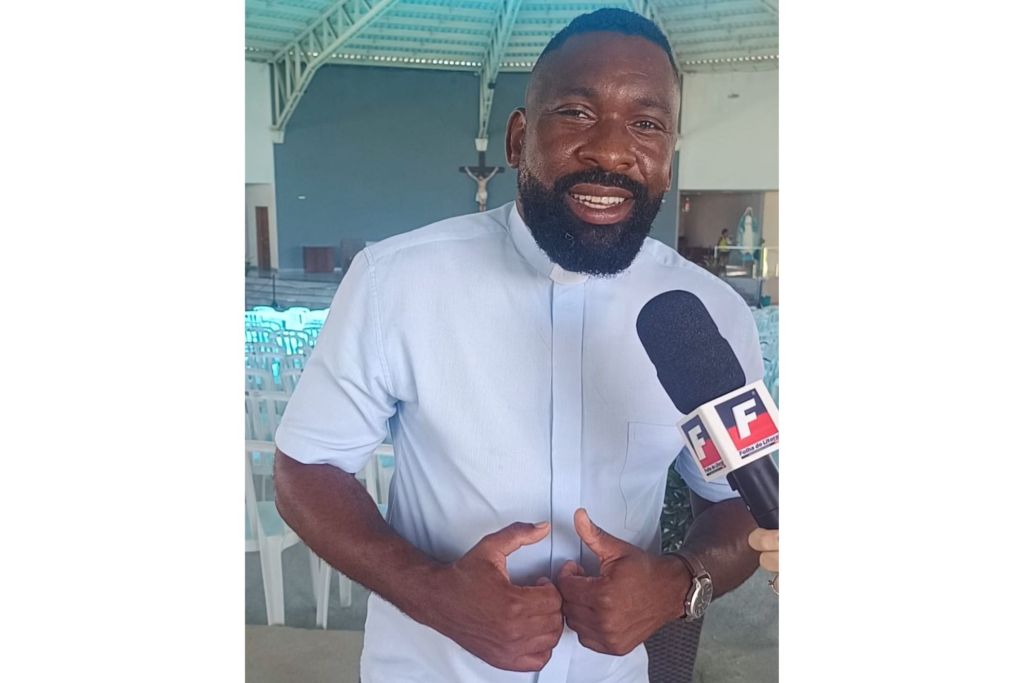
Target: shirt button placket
[(567, 303)]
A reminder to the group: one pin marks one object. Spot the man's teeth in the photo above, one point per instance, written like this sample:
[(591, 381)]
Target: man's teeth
[(597, 202)]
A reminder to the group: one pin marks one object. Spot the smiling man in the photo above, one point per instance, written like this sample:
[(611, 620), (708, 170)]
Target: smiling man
[(598, 158), (531, 434)]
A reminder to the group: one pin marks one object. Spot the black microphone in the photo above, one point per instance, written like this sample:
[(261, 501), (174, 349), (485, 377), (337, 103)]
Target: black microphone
[(730, 425)]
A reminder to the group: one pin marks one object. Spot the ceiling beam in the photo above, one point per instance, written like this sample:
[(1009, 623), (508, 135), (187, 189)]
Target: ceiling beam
[(668, 6), (772, 6), (436, 13), (737, 39), (500, 32), (291, 25), (300, 14), (295, 64), (281, 35)]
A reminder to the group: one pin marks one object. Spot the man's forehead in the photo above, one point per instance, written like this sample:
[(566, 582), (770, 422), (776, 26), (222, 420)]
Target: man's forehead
[(586, 61)]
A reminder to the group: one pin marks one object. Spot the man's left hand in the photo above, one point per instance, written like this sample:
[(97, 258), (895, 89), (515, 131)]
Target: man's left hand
[(632, 597)]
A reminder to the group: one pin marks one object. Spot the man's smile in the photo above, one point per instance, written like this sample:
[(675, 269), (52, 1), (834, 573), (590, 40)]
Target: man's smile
[(599, 204)]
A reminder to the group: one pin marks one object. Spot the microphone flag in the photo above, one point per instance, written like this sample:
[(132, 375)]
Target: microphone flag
[(732, 430)]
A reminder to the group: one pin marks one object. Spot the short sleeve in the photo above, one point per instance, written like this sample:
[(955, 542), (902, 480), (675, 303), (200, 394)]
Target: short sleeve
[(742, 336), (339, 410), (711, 491)]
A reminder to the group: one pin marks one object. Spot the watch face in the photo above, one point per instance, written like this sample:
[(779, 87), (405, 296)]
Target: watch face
[(701, 598)]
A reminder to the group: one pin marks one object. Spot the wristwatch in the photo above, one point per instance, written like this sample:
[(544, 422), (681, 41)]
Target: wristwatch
[(701, 590)]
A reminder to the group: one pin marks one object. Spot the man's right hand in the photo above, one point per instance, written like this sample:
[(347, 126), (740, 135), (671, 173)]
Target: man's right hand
[(509, 627)]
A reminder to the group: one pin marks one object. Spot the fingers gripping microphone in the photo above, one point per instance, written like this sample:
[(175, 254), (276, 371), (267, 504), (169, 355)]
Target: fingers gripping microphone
[(729, 425)]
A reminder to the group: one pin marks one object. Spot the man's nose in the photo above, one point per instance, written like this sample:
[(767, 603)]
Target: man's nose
[(609, 147)]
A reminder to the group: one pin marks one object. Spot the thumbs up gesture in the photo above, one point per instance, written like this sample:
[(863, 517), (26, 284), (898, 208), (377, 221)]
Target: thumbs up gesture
[(634, 594), (509, 627)]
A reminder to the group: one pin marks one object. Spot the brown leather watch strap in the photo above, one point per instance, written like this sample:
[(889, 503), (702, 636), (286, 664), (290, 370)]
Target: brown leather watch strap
[(695, 566)]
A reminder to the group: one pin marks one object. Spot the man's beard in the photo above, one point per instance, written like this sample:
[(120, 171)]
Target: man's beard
[(578, 246)]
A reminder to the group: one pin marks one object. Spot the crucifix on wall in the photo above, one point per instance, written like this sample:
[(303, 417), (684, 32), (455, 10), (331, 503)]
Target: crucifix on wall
[(481, 173)]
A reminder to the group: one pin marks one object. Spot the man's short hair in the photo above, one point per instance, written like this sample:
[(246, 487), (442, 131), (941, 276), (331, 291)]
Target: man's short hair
[(614, 20)]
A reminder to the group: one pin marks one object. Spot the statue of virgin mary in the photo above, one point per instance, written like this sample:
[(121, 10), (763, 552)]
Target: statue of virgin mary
[(748, 235)]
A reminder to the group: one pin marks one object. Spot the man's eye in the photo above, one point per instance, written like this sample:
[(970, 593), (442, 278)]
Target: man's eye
[(573, 113), (648, 125)]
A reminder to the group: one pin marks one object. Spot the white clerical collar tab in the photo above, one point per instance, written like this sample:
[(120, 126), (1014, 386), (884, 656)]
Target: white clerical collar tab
[(567, 277)]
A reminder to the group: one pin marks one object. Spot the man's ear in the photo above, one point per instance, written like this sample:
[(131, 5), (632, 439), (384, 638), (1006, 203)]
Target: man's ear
[(515, 136)]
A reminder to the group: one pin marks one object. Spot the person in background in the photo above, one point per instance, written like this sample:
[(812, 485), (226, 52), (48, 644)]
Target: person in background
[(723, 250)]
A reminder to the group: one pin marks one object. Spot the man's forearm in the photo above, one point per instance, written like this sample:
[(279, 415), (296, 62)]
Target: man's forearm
[(718, 537), (335, 516)]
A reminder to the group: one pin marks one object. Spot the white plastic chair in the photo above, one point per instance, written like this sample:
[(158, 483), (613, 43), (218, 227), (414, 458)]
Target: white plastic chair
[(267, 533), (256, 318), (269, 316), (264, 410), (315, 317), (286, 349), (275, 363), (256, 345), (292, 342), (290, 379), (312, 329), (257, 379), (259, 333), (295, 317), (384, 461)]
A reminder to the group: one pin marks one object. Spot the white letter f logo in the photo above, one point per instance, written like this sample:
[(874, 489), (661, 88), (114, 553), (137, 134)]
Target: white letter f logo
[(743, 412)]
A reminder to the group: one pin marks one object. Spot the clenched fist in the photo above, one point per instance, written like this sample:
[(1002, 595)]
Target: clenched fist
[(634, 594), (509, 627)]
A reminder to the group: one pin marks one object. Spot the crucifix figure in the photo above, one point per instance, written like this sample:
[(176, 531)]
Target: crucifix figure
[(481, 173)]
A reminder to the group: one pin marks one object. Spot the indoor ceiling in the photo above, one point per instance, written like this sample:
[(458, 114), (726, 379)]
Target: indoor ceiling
[(706, 35), (486, 37)]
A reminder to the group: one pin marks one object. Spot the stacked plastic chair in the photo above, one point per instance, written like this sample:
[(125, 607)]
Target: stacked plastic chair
[(280, 342), (312, 329), (289, 379), (266, 533), (276, 350), (295, 317), (293, 342), (260, 379)]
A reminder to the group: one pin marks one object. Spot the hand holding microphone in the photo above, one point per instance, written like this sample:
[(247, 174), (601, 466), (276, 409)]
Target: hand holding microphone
[(729, 424), (766, 542)]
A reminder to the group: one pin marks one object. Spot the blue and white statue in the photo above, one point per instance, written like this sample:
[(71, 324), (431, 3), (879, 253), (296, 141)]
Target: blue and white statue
[(748, 235)]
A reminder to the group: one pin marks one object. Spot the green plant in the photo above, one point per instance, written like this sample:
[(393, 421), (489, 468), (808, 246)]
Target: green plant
[(676, 515)]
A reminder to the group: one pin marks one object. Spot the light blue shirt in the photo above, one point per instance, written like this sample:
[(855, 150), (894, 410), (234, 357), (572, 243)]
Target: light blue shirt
[(514, 391)]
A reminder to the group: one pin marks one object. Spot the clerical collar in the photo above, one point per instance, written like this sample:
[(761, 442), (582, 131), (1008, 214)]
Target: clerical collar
[(566, 277), (527, 246)]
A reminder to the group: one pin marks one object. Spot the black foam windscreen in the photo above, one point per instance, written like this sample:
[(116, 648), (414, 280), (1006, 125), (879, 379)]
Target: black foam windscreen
[(694, 362)]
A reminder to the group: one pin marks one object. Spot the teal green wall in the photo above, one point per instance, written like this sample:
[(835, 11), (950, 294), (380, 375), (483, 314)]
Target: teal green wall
[(375, 152)]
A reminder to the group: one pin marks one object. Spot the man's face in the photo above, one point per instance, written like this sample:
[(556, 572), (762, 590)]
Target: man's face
[(594, 149)]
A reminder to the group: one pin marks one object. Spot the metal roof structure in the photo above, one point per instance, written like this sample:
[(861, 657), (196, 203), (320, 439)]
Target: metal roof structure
[(488, 37)]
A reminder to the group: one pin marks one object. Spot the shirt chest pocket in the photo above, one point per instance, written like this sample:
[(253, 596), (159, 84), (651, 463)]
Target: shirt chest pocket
[(650, 450)]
